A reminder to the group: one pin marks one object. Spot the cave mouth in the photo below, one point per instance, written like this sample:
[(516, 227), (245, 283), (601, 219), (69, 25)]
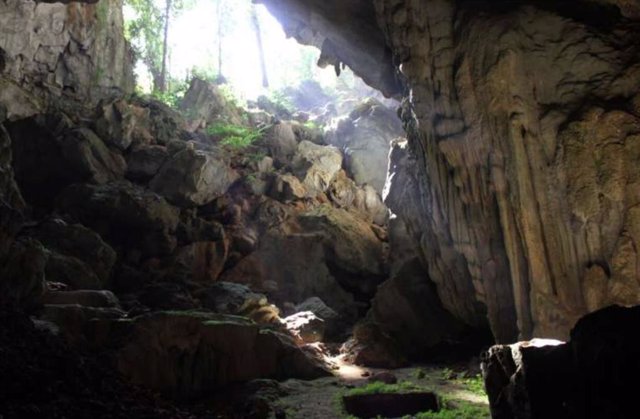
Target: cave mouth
[(200, 216)]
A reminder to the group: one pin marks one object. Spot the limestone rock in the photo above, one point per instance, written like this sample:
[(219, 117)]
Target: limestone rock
[(49, 154), (204, 104), (77, 48), (22, 275), (366, 200), (365, 137), (77, 241), (354, 253), (71, 271), (287, 188), (305, 326), (592, 375), (203, 261), (316, 166), (189, 355), (145, 162), (86, 298), (292, 281), (229, 298), (126, 215), (137, 121), (520, 180), (76, 322), (193, 178), (281, 143)]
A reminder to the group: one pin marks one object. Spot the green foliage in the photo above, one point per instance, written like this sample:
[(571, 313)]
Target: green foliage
[(311, 125), (456, 410), (475, 384), (448, 374), (145, 31), (281, 100), (174, 93), (378, 387), (419, 374), (234, 136)]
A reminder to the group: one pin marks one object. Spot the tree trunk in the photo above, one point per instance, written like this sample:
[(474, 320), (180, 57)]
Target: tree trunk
[(219, 17), (165, 47), (256, 29)]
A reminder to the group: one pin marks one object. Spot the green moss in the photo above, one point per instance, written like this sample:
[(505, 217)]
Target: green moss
[(475, 385), (456, 410), (378, 387)]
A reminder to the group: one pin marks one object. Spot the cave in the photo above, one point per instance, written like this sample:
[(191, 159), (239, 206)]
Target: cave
[(319, 209)]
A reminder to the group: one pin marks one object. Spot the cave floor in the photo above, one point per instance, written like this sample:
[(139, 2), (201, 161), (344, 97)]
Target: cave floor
[(321, 399)]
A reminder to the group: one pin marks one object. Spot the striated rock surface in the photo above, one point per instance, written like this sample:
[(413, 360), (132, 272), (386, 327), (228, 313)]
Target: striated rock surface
[(77, 49), (519, 182), (523, 127)]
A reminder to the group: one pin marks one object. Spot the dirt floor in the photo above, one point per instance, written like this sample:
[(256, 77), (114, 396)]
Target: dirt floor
[(321, 399)]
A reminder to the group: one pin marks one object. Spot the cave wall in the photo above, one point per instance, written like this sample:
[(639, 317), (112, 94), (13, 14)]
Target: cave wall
[(526, 123), (523, 120), (72, 48)]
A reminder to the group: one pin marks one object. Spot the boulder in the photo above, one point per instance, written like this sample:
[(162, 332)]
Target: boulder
[(305, 326), (190, 355), (317, 307), (230, 298), (49, 154), (281, 143), (202, 261), (86, 298), (169, 295), (406, 308), (354, 253), (344, 192), (365, 137), (22, 273), (204, 103), (593, 375), (193, 178), (125, 214), (305, 274), (77, 241), (137, 121), (72, 272), (316, 166), (77, 322), (144, 162), (287, 187)]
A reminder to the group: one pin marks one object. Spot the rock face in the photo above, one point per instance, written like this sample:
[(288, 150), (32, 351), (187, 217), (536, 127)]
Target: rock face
[(591, 376), (345, 32), (191, 355), (204, 103), (193, 178), (522, 122), (365, 137), (132, 217), (50, 154), (75, 48)]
